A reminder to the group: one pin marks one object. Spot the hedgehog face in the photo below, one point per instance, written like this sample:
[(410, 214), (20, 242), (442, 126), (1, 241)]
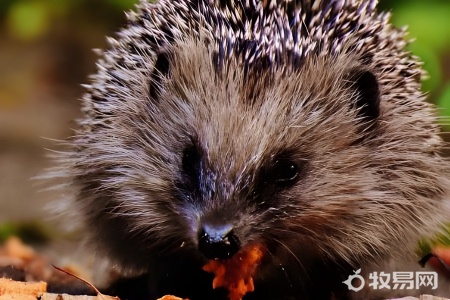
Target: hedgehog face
[(260, 157)]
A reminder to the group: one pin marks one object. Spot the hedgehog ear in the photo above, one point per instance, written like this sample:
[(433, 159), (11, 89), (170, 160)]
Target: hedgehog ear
[(367, 89), (160, 70)]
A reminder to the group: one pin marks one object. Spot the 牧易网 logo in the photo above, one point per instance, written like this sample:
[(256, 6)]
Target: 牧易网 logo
[(393, 281), (349, 281)]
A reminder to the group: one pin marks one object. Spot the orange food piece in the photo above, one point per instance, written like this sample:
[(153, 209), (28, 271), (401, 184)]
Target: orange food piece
[(170, 297), (236, 273)]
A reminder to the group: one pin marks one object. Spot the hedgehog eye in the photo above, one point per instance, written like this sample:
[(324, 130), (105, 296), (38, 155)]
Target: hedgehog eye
[(284, 172), (191, 162)]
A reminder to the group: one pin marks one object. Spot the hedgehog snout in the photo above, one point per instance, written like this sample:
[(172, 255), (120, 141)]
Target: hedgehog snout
[(217, 241)]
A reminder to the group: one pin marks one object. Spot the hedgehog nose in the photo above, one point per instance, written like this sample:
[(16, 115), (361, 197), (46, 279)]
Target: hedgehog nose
[(218, 242)]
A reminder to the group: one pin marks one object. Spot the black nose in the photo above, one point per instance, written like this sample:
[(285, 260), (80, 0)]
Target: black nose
[(217, 242)]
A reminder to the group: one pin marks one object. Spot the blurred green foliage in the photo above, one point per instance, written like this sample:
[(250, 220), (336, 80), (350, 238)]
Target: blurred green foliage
[(30, 19), (429, 25), (30, 232)]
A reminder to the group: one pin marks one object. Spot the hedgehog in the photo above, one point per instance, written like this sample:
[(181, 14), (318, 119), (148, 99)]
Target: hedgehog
[(298, 125)]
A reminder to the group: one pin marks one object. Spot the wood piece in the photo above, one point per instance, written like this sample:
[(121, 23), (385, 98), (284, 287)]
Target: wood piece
[(8, 286)]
